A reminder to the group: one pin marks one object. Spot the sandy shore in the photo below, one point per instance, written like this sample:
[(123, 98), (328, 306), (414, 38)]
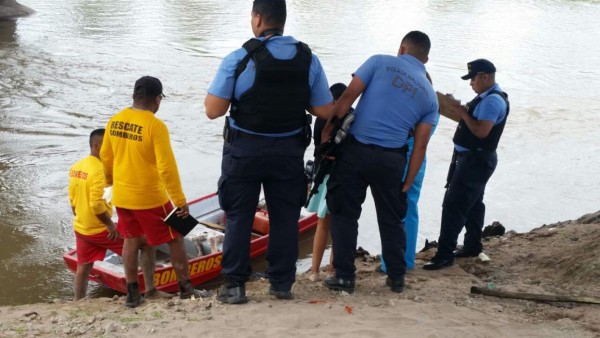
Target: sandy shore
[(558, 259)]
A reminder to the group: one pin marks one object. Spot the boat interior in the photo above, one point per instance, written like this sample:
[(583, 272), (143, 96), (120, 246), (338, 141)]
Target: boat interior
[(207, 237)]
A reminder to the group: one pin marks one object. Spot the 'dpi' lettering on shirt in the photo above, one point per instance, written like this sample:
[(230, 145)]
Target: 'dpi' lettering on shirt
[(404, 81)]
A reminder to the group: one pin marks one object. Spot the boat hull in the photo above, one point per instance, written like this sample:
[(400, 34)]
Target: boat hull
[(202, 269)]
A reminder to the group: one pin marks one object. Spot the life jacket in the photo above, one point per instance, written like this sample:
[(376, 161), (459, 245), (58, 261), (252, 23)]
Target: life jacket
[(280, 95), (465, 138)]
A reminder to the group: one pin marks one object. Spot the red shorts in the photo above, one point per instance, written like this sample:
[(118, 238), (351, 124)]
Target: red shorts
[(91, 248), (147, 222)]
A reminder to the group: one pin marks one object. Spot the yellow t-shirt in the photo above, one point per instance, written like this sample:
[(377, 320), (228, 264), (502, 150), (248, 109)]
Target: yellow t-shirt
[(137, 154), (86, 187)]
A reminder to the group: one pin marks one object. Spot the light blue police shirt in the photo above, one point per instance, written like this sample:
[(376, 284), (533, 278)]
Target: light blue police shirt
[(397, 97), (491, 108), (282, 48)]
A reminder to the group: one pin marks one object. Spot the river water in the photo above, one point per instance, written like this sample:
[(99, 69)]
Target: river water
[(67, 69)]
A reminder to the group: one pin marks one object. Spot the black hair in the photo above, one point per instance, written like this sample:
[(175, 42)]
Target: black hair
[(140, 93), (274, 12), (144, 100), (337, 89), (419, 40), (96, 133)]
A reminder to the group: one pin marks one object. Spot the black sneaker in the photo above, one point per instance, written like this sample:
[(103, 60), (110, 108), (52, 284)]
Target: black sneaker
[(281, 294), (395, 285), (339, 284), (134, 297), (232, 294)]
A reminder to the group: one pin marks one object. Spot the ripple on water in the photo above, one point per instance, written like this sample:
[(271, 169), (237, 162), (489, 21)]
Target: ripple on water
[(66, 70)]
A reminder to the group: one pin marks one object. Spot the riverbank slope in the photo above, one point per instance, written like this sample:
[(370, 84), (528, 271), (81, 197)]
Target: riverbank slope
[(558, 259)]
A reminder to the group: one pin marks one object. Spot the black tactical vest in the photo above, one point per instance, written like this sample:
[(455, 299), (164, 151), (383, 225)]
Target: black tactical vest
[(465, 138), (280, 95)]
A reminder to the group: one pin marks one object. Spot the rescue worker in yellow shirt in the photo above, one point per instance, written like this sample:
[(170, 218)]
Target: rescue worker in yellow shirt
[(138, 158), (95, 232)]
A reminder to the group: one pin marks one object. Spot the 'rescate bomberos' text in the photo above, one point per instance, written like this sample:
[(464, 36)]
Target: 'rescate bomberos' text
[(126, 130), (195, 268), (78, 174)]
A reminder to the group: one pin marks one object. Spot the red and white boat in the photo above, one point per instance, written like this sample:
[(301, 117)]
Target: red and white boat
[(203, 246)]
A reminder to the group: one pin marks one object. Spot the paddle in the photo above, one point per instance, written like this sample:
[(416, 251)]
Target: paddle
[(215, 226), (220, 227)]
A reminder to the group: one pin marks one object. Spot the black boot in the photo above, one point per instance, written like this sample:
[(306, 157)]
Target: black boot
[(396, 285), (232, 294), (134, 297), (186, 291), (281, 294), (339, 284)]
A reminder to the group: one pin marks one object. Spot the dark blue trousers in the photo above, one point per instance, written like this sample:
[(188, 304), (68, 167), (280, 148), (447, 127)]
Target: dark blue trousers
[(276, 164), (357, 167), (463, 203)]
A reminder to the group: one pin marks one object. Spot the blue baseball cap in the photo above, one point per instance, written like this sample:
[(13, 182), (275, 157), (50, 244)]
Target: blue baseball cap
[(479, 66)]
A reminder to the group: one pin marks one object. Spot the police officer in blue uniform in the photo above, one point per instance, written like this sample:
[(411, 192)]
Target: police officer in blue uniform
[(269, 83), (481, 123), (396, 98), (411, 221)]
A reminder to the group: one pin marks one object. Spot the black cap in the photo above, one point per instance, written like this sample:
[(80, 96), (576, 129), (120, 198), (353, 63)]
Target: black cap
[(477, 67), (148, 86)]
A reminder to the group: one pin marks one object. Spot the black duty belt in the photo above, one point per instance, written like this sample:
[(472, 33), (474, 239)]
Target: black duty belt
[(243, 135), (474, 151), (401, 150)]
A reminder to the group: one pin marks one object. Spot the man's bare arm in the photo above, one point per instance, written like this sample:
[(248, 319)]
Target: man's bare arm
[(215, 106), (110, 225), (422, 135), (322, 112), (343, 104), (480, 128)]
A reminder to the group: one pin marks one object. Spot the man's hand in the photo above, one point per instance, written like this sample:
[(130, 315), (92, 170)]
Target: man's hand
[(446, 102), (110, 225), (458, 110), (479, 128), (184, 211), (406, 187), (112, 231)]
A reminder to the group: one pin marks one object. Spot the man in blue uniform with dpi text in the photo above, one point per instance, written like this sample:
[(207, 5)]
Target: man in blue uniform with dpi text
[(270, 83), (396, 98), (481, 123)]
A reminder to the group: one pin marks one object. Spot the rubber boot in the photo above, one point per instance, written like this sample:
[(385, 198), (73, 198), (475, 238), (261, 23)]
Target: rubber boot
[(134, 297)]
